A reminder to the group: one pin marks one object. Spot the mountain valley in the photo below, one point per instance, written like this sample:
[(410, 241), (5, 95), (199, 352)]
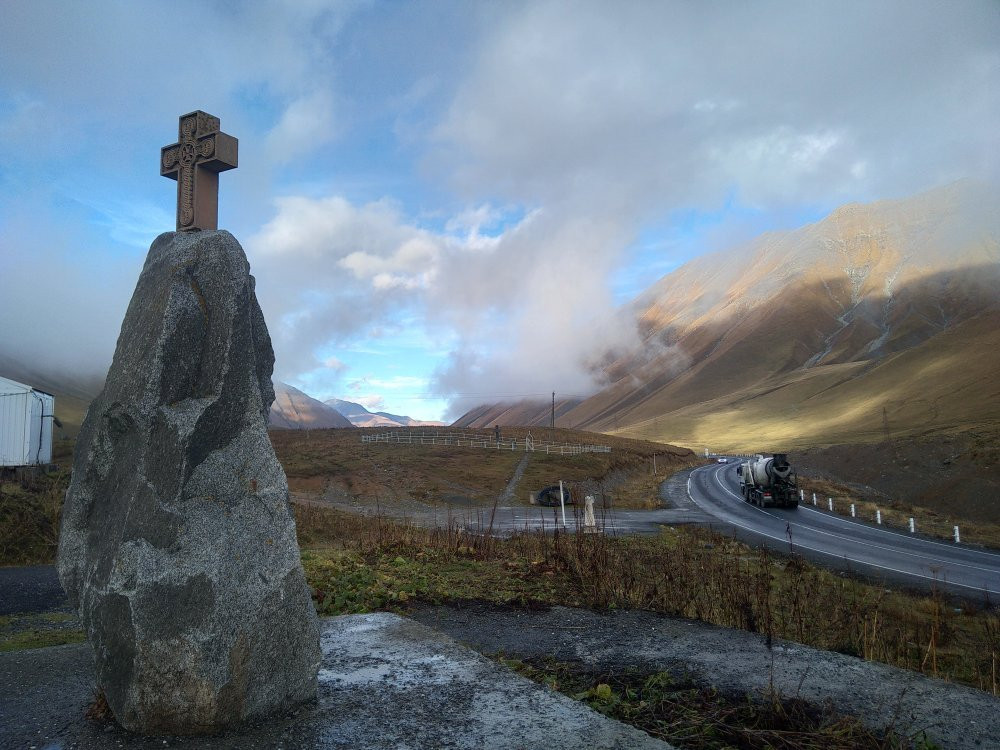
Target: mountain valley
[(881, 319)]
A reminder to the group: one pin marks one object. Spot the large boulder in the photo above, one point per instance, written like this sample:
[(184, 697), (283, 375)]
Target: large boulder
[(178, 543)]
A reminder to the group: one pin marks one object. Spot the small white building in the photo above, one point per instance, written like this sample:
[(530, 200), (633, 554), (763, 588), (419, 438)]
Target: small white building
[(26, 416)]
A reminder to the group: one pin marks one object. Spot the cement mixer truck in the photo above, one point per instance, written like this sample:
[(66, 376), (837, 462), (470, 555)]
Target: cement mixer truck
[(769, 481)]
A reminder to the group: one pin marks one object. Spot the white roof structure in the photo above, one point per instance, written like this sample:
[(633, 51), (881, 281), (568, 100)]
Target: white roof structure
[(26, 416)]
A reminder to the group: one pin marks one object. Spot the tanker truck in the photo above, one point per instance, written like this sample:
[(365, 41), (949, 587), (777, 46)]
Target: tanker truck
[(769, 481)]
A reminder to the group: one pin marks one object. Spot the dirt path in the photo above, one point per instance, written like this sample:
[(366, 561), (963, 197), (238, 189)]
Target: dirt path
[(508, 493)]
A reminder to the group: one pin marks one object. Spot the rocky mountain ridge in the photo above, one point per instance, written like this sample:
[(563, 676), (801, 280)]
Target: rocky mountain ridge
[(294, 410), (360, 416)]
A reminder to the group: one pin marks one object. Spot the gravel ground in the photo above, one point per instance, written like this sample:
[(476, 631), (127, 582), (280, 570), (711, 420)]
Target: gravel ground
[(734, 662)]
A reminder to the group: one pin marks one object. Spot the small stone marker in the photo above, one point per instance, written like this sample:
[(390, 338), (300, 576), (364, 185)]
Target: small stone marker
[(589, 521), (201, 152)]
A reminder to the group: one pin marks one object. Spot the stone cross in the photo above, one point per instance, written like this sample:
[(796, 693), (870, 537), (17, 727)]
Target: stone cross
[(201, 152)]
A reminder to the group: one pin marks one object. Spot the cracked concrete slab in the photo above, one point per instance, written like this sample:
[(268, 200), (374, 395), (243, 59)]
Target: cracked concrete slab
[(385, 682), (734, 662)]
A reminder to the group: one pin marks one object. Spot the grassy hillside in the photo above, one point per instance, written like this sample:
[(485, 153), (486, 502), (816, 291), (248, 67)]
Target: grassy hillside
[(336, 461), (946, 383)]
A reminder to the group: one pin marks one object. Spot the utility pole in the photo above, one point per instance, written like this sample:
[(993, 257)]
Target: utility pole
[(552, 422)]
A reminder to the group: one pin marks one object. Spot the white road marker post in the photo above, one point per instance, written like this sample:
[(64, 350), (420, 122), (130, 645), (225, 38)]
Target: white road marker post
[(589, 520), (878, 516), (654, 464), (802, 496), (814, 498), (913, 527), (562, 503), (852, 511), (829, 502), (957, 537)]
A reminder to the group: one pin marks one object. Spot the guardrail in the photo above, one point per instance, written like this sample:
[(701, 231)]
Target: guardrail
[(480, 440)]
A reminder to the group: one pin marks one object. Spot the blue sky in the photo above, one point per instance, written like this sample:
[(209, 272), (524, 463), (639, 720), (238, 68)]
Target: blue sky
[(418, 181)]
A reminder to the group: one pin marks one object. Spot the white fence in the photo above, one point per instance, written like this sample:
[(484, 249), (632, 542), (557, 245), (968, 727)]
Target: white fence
[(480, 440)]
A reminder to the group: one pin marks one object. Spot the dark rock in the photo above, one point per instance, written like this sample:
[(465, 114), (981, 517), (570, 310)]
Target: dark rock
[(178, 543)]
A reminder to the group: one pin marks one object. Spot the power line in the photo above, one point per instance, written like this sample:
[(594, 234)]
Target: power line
[(386, 393)]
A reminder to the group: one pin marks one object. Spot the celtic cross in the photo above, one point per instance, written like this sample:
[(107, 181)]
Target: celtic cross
[(201, 152)]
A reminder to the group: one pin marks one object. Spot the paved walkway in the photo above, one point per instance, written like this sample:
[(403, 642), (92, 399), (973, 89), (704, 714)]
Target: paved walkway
[(385, 682)]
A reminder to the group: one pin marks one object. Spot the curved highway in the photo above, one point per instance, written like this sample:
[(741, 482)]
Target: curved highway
[(711, 497), (844, 543)]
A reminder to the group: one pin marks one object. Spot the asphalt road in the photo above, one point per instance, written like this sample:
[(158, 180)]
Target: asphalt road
[(845, 543), (34, 588), (710, 496)]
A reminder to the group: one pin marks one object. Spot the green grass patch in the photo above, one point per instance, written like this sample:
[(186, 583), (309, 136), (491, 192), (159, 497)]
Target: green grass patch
[(347, 582), (690, 716), (38, 630), (39, 638)]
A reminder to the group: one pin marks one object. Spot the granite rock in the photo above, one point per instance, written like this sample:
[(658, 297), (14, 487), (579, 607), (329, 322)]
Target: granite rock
[(178, 543)]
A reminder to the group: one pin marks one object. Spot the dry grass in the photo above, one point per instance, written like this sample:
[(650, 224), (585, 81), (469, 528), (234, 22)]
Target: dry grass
[(356, 564), (30, 510), (897, 514), (693, 716), (320, 460)]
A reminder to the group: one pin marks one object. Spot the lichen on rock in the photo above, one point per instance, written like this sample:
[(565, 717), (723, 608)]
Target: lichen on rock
[(178, 544)]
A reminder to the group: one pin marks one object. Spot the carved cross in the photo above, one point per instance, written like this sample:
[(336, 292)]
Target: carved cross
[(201, 152)]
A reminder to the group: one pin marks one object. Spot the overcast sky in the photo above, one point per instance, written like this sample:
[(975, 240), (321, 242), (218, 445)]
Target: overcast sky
[(442, 201)]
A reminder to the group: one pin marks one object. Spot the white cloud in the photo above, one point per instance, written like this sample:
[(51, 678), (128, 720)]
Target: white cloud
[(335, 364), (396, 382), (623, 109), (306, 124), (543, 138)]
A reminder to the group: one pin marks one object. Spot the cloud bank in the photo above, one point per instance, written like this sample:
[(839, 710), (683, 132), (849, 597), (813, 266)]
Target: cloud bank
[(478, 173)]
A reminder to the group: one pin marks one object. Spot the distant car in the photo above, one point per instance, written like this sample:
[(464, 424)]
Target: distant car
[(723, 460)]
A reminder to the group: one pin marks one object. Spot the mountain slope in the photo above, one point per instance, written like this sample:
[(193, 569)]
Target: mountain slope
[(294, 410), (805, 337), (519, 413)]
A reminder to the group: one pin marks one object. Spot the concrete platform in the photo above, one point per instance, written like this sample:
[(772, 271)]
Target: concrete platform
[(385, 682)]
